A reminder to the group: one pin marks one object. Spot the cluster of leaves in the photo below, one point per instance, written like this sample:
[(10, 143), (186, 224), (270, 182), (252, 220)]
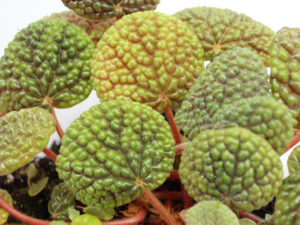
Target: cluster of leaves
[(142, 65)]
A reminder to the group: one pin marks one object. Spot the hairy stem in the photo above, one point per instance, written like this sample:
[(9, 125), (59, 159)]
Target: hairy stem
[(174, 128), (164, 213), (176, 134), (51, 155), (244, 214), (58, 127)]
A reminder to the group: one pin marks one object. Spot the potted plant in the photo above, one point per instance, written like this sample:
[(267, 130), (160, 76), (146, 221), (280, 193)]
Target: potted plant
[(172, 141)]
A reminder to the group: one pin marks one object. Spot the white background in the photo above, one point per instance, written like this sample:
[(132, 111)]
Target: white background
[(17, 14)]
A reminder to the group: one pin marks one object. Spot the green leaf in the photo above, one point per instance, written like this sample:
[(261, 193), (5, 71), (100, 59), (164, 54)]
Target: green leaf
[(267, 221), (36, 188), (7, 198), (62, 200), (94, 28), (220, 30), (31, 171), (101, 10), (101, 212), (114, 151), (294, 161), (47, 64), (134, 67), (285, 69), (287, 203), (246, 222), (58, 223), (264, 116), (210, 213), (234, 75), (86, 219), (23, 135), (72, 212), (232, 165)]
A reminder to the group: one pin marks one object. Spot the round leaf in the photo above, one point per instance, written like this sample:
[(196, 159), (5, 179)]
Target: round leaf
[(147, 57), (232, 165), (210, 213), (114, 151), (287, 203), (36, 188), (222, 29), (294, 161), (23, 135), (101, 213), (285, 69), (48, 63), (94, 28), (264, 116), (86, 219), (102, 9), (234, 75)]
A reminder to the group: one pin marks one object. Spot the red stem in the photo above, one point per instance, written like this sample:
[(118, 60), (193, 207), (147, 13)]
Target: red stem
[(58, 127), (180, 147), (27, 219), (128, 221), (51, 155), (295, 141), (164, 213), (169, 205), (244, 214), (174, 128), (21, 216)]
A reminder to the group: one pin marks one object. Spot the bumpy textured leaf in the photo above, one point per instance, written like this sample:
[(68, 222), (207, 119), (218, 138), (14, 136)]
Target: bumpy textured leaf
[(102, 213), (94, 28), (285, 69), (102, 9), (47, 63), (246, 222), (7, 198), (264, 116), (61, 200), (223, 29), (114, 151), (37, 187), (236, 74), (232, 165), (86, 219), (294, 161), (147, 57), (23, 135), (287, 204), (210, 213)]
